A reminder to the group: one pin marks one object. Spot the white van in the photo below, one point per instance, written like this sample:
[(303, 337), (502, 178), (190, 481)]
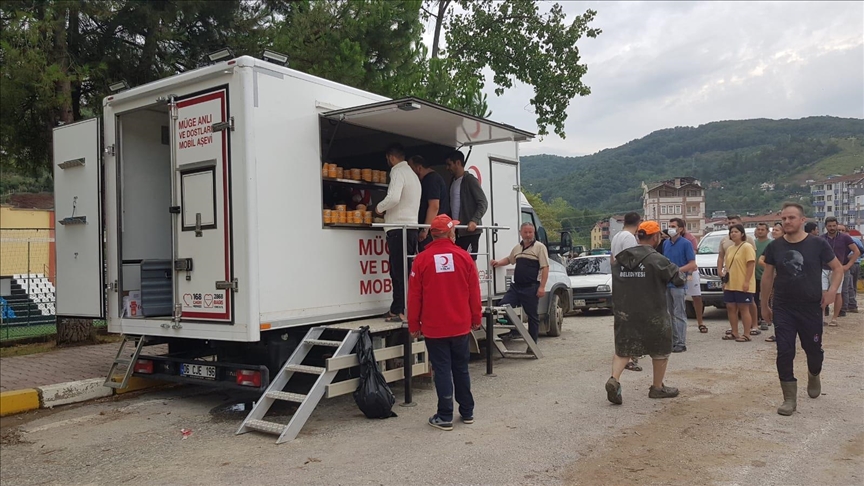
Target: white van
[(204, 197)]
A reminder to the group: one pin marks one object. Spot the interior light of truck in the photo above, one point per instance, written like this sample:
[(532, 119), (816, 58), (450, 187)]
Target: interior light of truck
[(249, 378), (144, 366), (409, 106)]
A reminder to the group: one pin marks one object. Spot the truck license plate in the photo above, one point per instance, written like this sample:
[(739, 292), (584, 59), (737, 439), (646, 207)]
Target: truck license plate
[(579, 303), (198, 371), (715, 285)]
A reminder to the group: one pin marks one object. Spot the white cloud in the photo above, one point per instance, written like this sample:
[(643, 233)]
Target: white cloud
[(658, 65)]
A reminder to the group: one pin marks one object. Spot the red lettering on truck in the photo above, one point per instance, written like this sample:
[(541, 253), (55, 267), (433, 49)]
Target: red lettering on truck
[(377, 286), (373, 246)]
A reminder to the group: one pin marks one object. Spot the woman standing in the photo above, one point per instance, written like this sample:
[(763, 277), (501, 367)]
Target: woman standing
[(739, 279), (776, 233)]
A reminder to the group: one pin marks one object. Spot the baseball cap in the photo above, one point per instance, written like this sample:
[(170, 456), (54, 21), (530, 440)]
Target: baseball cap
[(649, 227), (443, 224)]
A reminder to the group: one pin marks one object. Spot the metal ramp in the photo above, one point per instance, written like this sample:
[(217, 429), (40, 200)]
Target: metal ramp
[(125, 360), (308, 402), (513, 322)]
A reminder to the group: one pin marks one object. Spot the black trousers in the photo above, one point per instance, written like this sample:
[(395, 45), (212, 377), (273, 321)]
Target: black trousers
[(525, 296), (804, 321), (758, 300), (397, 277), (469, 243)]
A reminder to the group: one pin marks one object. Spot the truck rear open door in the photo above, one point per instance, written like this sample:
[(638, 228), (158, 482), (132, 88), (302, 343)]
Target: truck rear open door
[(78, 209), (203, 229)]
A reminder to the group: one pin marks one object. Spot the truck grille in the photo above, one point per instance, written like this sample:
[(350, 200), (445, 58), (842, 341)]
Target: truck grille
[(708, 272), (585, 290)]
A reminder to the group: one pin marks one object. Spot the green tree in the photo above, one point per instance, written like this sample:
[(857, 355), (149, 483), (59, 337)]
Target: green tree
[(517, 43)]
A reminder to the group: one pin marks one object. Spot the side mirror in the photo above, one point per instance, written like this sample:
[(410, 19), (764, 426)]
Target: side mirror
[(566, 243), (542, 237)]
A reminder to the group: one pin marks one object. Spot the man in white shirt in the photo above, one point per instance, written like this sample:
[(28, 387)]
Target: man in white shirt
[(400, 207), (624, 239)]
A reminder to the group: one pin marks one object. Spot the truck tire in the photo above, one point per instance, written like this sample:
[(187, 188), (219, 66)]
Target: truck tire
[(691, 311), (556, 317)]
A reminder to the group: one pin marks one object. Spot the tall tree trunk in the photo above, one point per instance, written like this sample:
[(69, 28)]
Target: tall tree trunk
[(75, 331), (69, 331), (439, 21)]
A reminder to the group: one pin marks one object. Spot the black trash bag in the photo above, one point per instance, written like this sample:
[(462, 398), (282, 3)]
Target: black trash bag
[(373, 396)]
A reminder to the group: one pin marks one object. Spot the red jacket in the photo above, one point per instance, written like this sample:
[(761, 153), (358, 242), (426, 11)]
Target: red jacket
[(443, 291)]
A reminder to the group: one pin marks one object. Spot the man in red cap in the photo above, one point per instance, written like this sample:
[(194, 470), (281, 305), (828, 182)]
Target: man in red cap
[(444, 306)]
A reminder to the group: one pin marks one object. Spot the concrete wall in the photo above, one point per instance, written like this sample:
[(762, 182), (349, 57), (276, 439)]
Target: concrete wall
[(26, 241)]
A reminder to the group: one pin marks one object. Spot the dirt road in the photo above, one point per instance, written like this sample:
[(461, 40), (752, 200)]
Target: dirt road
[(538, 422)]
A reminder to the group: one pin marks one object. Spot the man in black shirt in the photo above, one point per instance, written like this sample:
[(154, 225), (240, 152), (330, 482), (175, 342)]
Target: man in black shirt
[(434, 199), (793, 269)]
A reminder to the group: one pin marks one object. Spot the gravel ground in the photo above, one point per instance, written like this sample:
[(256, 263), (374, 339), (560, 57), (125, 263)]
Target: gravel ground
[(538, 422)]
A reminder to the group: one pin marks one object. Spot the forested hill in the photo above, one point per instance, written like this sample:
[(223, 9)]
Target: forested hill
[(731, 159)]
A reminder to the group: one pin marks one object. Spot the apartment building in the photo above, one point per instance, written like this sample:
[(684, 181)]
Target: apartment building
[(600, 235), (682, 197), (841, 197)]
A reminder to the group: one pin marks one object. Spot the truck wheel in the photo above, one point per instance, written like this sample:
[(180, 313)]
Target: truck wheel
[(556, 319), (691, 311)]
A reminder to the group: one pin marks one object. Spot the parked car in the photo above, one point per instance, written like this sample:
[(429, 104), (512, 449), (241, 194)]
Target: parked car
[(591, 281), (706, 259), (599, 251)]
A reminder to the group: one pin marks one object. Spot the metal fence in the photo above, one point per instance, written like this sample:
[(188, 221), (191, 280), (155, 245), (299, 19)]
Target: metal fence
[(27, 278), (27, 294)]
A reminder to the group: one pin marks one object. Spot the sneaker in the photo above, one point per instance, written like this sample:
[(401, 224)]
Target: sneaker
[(468, 420), (842, 313), (679, 349), (435, 421), (613, 391), (662, 392), (854, 310), (763, 326)]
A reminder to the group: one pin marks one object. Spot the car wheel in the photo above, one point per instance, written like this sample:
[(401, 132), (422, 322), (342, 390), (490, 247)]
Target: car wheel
[(691, 311), (556, 319)]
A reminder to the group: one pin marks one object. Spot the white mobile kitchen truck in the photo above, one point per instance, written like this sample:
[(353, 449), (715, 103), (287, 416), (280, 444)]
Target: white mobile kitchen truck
[(191, 213)]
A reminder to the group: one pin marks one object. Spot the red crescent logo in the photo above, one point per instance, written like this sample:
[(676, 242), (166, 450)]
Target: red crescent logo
[(476, 172), (476, 132), (444, 260)]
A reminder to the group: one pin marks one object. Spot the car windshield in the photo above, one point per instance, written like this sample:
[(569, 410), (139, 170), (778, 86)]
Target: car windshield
[(710, 244), (589, 266)]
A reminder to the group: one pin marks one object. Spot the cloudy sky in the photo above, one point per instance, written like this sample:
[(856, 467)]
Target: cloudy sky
[(664, 64)]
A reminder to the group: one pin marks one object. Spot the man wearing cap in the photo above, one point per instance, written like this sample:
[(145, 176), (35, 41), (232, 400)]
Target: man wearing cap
[(642, 323), (444, 306), (529, 278)]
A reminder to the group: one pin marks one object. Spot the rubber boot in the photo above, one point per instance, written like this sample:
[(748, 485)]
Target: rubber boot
[(814, 385), (790, 397)]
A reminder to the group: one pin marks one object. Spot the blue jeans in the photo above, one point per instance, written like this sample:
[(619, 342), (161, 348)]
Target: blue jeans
[(850, 287), (449, 360), (525, 296), (675, 306)]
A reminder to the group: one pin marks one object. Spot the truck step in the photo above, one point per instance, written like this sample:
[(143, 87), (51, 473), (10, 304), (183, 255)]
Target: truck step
[(312, 370), (265, 426), (288, 397), (321, 342)]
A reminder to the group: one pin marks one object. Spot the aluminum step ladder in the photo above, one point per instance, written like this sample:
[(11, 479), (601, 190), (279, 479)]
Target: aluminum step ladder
[(308, 402), (125, 360), (514, 323)]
